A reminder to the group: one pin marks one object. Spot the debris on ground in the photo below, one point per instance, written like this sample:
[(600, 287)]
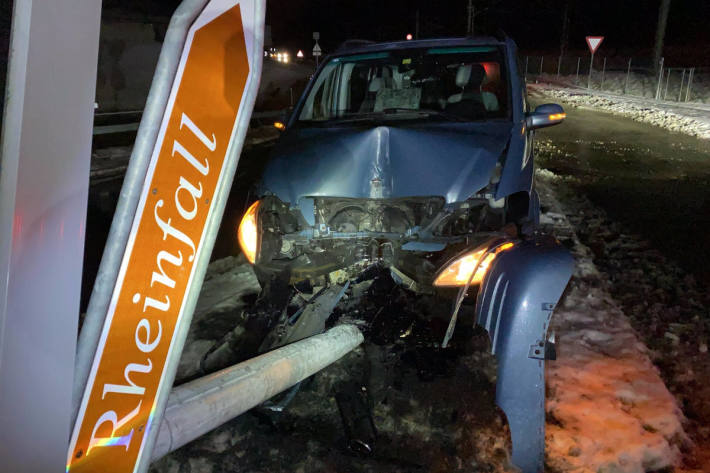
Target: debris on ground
[(433, 409)]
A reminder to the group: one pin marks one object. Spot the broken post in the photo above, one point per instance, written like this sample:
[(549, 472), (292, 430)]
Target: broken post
[(197, 407)]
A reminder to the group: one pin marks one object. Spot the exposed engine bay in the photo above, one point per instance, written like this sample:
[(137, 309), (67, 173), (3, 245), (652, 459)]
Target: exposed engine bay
[(407, 234)]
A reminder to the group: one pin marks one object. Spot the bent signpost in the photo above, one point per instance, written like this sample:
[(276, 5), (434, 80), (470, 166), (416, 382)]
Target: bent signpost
[(171, 238)]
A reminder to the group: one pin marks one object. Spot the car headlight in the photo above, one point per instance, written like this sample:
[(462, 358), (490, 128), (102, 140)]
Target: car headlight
[(248, 233), (458, 272)]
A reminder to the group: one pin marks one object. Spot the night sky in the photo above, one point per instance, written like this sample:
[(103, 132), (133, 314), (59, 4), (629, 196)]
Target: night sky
[(629, 25)]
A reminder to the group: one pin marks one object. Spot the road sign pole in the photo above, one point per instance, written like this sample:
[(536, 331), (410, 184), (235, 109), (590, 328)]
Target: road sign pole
[(110, 264), (317, 51), (45, 159), (190, 140), (589, 77), (593, 42)]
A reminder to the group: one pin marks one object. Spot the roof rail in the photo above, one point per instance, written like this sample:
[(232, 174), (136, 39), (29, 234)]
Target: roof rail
[(354, 43)]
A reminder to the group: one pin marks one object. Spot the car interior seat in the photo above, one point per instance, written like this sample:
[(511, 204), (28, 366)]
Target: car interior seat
[(373, 89), (469, 101)]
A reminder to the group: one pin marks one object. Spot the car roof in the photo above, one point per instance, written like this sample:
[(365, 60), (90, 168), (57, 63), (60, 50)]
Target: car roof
[(363, 47)]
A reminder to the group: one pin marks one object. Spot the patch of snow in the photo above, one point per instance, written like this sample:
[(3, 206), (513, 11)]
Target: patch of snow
[(608, 408)]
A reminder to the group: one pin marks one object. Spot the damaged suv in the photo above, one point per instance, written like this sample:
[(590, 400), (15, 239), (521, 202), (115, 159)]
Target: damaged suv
[(418, 156)]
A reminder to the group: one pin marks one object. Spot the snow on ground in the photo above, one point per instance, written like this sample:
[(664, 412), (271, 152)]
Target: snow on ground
[(639, 84), (689, 118), (667, 306), (608, 409)]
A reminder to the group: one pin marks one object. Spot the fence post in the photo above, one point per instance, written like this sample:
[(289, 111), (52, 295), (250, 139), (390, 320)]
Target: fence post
[(628, 71), (541, 59), (680, 89), (559, 63), (690, 81), (576, 79), (668, 79), (660, 80), (601, 85)]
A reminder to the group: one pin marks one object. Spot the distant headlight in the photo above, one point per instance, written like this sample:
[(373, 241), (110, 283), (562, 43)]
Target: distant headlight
[(248, 233), (459, 271)]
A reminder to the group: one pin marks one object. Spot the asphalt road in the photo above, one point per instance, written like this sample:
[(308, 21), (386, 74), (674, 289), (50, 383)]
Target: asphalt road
[(653, 182)]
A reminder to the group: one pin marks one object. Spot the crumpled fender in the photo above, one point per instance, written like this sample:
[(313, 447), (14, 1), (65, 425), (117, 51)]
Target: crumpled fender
[(515, 303)]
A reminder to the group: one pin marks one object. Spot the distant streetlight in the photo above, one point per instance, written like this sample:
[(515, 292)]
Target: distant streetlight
[(409, 36)]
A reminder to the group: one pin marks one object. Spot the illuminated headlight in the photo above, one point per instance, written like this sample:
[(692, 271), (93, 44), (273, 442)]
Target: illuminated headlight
[(248, 233), (458, 272)]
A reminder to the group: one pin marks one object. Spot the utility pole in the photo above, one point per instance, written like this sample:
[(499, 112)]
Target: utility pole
[(660, 32), (565, 30), (416, 26), (471, 14)]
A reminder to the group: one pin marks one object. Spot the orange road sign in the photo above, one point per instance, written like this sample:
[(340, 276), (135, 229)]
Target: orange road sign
[(198, 136)]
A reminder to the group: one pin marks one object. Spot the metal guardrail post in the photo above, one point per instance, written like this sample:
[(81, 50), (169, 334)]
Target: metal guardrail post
[(541, 62), (601, 85), (668, 80), (576, 79), (559, 64)]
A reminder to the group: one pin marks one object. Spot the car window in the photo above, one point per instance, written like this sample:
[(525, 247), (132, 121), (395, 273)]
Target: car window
[(449, 83)]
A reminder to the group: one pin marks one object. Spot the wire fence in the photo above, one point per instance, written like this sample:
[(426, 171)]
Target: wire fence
[(622, 75)]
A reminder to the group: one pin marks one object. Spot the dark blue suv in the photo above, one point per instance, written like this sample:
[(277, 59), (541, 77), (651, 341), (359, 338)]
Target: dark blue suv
[(417, 156)]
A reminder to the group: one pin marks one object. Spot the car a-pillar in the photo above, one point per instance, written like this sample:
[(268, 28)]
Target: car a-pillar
[(515, 303)]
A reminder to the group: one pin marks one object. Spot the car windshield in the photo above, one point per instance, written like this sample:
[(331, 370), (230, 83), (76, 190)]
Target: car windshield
[(449, 83)]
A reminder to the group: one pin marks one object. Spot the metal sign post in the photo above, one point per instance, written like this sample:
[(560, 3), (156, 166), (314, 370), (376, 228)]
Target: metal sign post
[(593, 42), (44, 183), (317, 51), (180, 173)]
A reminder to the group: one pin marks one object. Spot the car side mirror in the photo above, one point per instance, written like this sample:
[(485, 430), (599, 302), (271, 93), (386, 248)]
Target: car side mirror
[(545, 115), (282, 120)]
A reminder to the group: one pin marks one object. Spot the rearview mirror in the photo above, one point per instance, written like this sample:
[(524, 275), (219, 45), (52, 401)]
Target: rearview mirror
[(546, 115)]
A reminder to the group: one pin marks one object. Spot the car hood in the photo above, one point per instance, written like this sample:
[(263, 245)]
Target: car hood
[(452, 160)]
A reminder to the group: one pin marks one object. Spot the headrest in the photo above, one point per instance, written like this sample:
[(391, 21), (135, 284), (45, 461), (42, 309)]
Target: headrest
[(468, 74), (462, 75), (375, 84)]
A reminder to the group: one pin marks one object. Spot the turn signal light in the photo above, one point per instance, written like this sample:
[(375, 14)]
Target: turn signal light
[(557, 116), (248, 234), (279, 126), (459, 271)]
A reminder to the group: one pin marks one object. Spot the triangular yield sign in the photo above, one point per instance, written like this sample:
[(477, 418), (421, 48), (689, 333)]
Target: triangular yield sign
[(593, 42)]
